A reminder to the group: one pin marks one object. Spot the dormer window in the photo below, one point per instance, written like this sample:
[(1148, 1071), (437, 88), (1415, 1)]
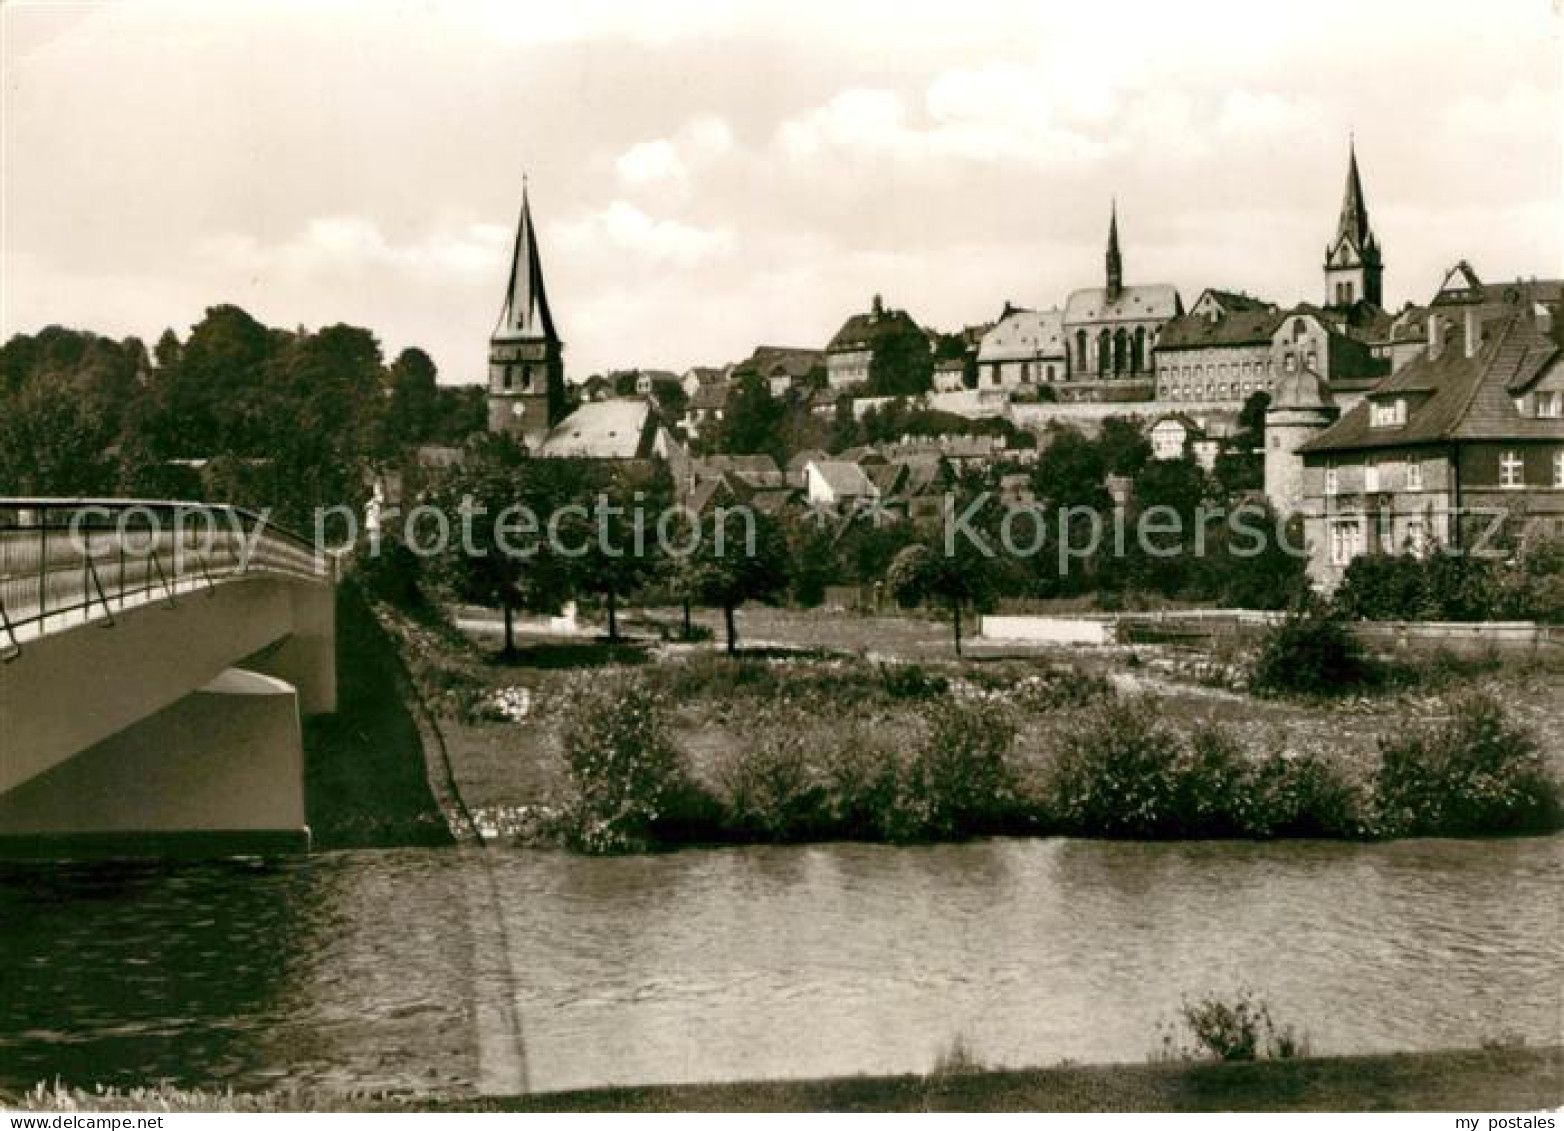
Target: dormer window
[(1550, 405), (1388, 413)]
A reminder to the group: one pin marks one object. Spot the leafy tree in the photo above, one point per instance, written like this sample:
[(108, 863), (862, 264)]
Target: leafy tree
[(729, 567), (615, 561), (923, 572), (901, 365), (1071, 472), (413, 410), (749, 425), (1125, 449)]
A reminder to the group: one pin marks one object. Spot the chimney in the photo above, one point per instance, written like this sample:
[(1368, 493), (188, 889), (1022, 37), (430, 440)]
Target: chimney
[(1473, 331), (1436, 335)]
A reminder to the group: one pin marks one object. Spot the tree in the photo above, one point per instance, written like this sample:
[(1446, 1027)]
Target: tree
[(750, 423), (1124, 447), (413, 408), (901, 364), (502, 566), (741, 556), (1070, 472), (923, 572), (617, 558)]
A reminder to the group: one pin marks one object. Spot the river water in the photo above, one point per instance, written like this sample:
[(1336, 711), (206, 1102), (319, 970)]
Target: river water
[(498, 969)]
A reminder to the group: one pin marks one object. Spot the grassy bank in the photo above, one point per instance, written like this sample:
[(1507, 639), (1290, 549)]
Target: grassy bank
[(1507, 1079), (364, 771)]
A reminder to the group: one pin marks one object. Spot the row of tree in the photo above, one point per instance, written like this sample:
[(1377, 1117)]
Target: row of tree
[(236, 411)]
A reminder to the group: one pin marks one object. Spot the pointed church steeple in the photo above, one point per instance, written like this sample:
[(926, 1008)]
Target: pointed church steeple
[(526, 313), (1354, 271), (1115, 260), (1353, 224), (526, 363)]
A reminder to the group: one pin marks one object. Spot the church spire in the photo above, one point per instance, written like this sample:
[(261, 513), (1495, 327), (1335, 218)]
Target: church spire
[(526, 313), (1354, 222), (1115, 261)]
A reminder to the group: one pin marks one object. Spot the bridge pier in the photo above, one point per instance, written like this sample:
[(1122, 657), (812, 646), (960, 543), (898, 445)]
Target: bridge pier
[(219, 771)]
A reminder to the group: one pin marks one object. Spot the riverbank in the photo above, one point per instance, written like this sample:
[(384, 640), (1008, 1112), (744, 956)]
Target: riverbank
[(1499, 1079), (1478, 1080), (787, 744)]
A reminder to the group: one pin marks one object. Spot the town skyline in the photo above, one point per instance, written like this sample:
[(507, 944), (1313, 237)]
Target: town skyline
[(696, 224)]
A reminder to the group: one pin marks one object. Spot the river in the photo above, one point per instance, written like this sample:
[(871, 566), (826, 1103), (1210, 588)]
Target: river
[(498, 969)]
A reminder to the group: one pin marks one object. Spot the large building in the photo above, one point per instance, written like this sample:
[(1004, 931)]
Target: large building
[(1472, 428), (1112, 330), (850, 358), (526, 357)]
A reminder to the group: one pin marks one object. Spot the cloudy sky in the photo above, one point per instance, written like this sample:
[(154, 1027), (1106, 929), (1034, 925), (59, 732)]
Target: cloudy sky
[(705, 180)]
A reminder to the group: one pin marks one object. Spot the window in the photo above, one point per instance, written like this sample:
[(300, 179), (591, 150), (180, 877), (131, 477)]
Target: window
[(1414, 475), (507, 377), (1417, 535), (1332, 480), (1512, 470), (1370, 476), (1558, 468), (1345, 538), (1550, 405), (1290, 363), (1388, 414)]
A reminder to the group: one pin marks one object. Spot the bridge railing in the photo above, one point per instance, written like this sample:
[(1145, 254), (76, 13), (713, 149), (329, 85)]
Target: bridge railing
[(69, 560)]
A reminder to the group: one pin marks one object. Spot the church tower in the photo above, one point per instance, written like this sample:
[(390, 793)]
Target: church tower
[(1115, 261), (526, 360), (1353, 267)]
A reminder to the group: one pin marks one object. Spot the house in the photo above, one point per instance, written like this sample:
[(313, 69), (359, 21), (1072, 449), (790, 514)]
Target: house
[(1310, 337), (850, 356), (756, 471), (596, 388), (1173, 436), (784, 368), (706, 407), (950, 376), (1472, 429), (1213, 303), (619, 429), (698, 376), (798, 461), (648, 381), (836, 483), (1025, 348)]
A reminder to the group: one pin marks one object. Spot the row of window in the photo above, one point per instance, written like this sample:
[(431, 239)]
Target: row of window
[(1215, 391), (1512, 473), (507, 377)]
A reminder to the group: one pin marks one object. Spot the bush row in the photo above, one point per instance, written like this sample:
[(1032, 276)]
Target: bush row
[(1121, 771)]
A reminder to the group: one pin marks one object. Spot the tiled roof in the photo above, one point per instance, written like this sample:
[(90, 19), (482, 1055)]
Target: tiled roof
[(622, 428), (711, 397), (1243, 328), (1233, 301), (864, 331), (758, 470), (1456, 397), (843, 477), (1025, 334), (1133, 304)]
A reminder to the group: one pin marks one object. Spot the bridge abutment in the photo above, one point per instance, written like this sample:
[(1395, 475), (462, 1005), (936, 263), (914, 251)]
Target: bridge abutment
[(218, 771)]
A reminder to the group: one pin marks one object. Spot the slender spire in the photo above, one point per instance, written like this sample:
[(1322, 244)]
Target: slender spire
[(1115, 260), (1354, 222), (526, 313)]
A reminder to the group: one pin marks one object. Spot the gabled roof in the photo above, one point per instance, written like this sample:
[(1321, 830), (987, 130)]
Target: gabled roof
[(1241, 328), (620, 428), (789, 361), (1456, 397), (1023, 335), (843, 477), (1231, 302), (757, 470), (1133, 304), (706, 374)]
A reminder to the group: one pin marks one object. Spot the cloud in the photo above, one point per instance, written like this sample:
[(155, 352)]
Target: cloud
[(351, 245), (668, 163), (622, 229)]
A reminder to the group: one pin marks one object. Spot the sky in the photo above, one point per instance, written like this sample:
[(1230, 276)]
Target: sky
[(706, 178)]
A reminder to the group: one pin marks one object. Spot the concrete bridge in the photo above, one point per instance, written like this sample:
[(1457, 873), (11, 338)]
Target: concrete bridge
[(155, 660)]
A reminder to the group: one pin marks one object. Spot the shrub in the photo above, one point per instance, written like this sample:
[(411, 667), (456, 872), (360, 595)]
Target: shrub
[(394, 575), (959, 779), (1241, 1029), (625, 773), (1115, 775), (1301, 795), (773, 789), (912, 681), (1311, 652), (1475, 773)]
